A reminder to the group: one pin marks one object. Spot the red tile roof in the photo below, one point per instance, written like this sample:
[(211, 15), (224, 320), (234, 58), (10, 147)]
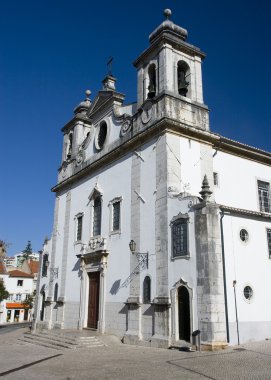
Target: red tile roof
[(19, 273), (34, 266)]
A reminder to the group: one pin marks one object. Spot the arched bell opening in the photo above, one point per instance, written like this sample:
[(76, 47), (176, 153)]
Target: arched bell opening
[(152, 81), (183, 79)]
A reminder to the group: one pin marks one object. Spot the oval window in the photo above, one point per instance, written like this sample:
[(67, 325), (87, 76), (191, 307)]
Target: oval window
[(244, 235), (102, 134), (248, 293)]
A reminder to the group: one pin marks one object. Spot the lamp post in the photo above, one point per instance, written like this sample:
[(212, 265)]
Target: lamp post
[(143, 257)]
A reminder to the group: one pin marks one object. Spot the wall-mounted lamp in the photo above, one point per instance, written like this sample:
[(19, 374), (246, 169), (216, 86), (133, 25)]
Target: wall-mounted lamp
[(143, 257)]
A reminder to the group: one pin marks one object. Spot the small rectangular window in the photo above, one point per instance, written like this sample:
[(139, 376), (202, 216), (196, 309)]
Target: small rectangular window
[(79, 228), (20, 283), (180, 238), (215, 179), (269, 241), (264, 196), (116, 216), (18, 297)]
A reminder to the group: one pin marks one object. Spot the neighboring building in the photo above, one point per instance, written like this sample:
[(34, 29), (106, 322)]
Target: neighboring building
[(19, 284), (20, 258), (10, 261), (196, 204)]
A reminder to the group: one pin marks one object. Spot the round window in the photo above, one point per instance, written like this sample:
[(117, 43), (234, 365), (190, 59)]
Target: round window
[(101, 135), (248, 293), (244, 235)]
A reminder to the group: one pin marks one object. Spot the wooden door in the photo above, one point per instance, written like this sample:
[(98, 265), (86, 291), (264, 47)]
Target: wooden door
[(184, 314), (93, 299)]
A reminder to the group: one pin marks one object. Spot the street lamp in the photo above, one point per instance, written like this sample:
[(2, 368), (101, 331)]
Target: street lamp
[(143, 257)]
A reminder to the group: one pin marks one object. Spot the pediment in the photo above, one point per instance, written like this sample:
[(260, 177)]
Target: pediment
[(105, 99)]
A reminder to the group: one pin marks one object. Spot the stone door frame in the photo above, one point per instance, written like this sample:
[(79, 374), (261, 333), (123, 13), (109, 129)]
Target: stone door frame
[(175, 308)]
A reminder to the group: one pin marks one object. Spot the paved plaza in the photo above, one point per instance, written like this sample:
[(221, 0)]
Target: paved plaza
[(19, 360)]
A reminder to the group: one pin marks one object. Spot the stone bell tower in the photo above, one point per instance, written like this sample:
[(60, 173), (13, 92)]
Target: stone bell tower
[(170, 65)]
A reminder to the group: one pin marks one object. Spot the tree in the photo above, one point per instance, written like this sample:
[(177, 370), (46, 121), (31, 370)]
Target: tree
[(4, 294), (28, 250), (30, 300)]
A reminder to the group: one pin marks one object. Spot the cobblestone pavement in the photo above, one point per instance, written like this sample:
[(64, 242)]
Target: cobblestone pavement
[(118, 361)]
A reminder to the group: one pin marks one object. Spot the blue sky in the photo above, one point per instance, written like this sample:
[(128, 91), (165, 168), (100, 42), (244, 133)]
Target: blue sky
[(52, 51)]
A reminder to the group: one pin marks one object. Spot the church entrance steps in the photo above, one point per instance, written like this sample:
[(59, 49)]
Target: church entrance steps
[(61, 340), (181, 345)]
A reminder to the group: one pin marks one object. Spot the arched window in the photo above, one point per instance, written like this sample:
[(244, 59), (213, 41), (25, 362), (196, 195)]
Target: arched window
[(152, 81), (56, 292), (45, 264), (97, 216), (183, 76), (147, 290)]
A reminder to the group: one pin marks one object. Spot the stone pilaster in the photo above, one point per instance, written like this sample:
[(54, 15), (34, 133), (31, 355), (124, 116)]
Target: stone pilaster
[(65, 250), (161, 336), (210, 291), (53, 252), (133, 333)]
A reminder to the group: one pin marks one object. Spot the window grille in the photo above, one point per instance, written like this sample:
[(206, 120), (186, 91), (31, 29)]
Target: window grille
[(116, 216), (180, 237), (147, 290), (18, 297), (79, 228), (269, 242), (264, 196), (97, 208)]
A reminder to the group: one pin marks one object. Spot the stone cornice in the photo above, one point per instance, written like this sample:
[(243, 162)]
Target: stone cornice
[(74, 120), (132, 140), (177, 43), (245, 212)]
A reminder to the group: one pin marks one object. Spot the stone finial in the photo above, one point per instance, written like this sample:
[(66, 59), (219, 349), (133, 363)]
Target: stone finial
[(88, 93), (167, 13), (205, 192), (84, 105)]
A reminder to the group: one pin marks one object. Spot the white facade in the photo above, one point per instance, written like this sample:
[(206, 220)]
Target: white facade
[(145, 172), (20, 286)]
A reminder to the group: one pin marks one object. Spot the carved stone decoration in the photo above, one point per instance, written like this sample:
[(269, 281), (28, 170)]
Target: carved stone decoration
[(64, 169), (146, 114), (125, 127), (205, 192), (79, 158)]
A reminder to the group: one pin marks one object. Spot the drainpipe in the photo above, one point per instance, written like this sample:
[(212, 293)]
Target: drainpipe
[(236, 313), (224, 275)]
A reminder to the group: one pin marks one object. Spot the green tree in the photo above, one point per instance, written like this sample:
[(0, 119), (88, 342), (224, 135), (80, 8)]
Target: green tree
[(4, 294), (28, 250), (30, 300)]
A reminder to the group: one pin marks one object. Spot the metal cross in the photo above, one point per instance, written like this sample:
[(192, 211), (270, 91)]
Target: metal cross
[(109, 65)]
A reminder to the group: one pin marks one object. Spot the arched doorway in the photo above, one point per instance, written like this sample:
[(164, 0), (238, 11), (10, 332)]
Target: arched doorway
[(184, 314)]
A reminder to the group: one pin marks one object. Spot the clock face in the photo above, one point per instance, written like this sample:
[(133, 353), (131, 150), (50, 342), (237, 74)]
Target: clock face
[(146, 113)]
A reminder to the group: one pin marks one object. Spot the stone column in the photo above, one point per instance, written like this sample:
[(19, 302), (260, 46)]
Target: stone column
[(210, 290)]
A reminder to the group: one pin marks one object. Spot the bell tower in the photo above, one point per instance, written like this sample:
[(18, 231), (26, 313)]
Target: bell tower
[(170, 66)]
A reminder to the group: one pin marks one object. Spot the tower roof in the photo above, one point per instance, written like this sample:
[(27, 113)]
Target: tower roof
[(169, 28)]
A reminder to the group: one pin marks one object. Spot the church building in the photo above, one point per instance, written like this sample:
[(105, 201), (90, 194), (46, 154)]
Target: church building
[(161, 226)]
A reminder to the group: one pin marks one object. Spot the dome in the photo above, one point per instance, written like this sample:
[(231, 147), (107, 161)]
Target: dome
[(84, 105)]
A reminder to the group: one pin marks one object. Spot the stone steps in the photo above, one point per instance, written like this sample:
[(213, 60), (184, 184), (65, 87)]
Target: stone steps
[(60, 341)]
